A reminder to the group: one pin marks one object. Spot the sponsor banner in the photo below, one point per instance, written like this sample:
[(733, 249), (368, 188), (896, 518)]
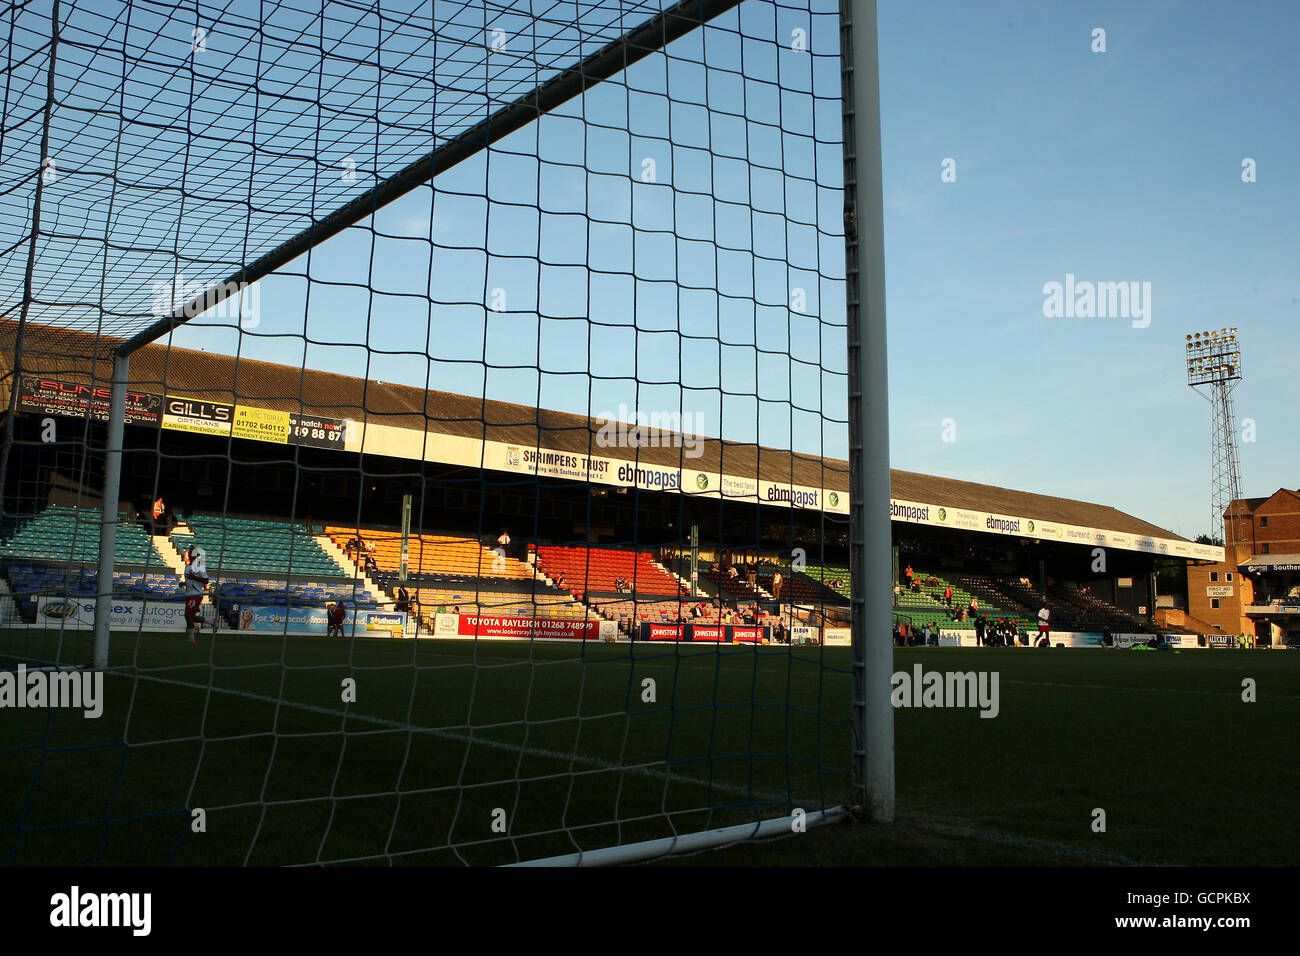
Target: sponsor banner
[(1266, 568), (732, 487), (194, 415), (79, 612), (726, 633), (920, 512), (306, 621), (1128, 640), (447, 624), (52, 396), (1218, 590), (792, 496), (1222, 640), (804, 634), (260, 424), (706, 632), (651, 477), (702, 482), (1073, 638), (662, 632), (475, 625), (545, 462), (315, 431), (837, 635), (951, 637)]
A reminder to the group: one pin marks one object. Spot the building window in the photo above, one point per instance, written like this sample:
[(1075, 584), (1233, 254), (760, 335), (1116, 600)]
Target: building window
[(1214, 603), (1228, 576), (1265, 547), (1263, 521), (1214, 576)]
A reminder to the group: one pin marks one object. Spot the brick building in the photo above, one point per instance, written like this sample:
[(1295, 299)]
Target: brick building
[(1256, 589)]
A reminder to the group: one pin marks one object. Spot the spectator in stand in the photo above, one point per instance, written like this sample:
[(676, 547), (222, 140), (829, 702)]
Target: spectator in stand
[(403, 602), (974, 606), (915, 585), (503, 542), (162, 523), (947, 596), (776, 586), (897, 591), (926, 633), (979, 631), (308, 524), (559, 580), (908, 575), (898, 636), (732, 572)]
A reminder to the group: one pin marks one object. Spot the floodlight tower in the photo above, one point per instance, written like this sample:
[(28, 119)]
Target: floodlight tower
[(1213, 371)]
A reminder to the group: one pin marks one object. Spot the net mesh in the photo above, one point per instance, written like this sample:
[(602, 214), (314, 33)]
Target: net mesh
[(560, 429)]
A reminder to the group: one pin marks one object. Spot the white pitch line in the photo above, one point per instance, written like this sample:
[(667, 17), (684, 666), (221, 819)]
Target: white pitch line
[(1229, 691), (1032, 843)]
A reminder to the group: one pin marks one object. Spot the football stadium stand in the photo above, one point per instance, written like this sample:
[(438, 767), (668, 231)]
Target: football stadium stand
[(450, 557), (455, 573), (258, 545), (62, 533), (731, 588), (592, 571), (835, 577)]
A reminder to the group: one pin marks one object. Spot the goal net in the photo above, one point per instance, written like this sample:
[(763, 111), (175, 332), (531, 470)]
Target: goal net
[(425, 430)]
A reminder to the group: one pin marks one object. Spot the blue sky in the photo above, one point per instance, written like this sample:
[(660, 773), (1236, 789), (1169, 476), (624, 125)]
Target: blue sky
[(1115, 166)]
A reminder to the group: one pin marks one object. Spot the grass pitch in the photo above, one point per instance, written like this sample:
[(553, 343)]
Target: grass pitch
[(448, 742)]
